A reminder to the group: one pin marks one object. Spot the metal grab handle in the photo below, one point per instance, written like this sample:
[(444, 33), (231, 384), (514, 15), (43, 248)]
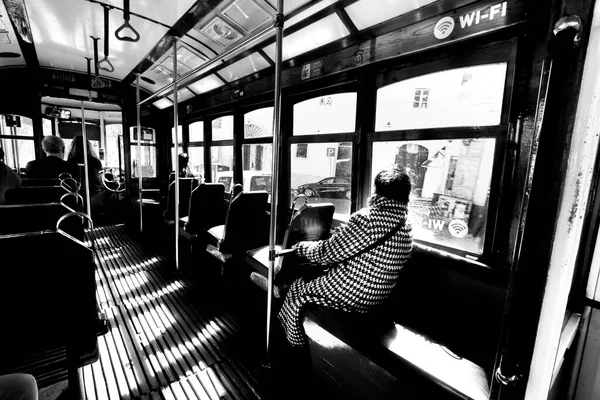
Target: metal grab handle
[(105, 60), (109, 68), (507, 380), (67, 175), (75, 214), (281, 253), (127, 25), (570, 22), (77, 197), (65, 186)]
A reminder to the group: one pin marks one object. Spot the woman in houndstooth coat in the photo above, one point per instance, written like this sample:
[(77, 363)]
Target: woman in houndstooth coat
[(356, 283)]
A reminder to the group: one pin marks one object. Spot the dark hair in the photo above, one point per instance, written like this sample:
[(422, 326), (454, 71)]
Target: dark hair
[(76, 152), (184, 159), (393, 183)]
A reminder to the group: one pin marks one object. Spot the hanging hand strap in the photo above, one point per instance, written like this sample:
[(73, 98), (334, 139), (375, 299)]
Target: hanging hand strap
[(105, 63), (126, 25)]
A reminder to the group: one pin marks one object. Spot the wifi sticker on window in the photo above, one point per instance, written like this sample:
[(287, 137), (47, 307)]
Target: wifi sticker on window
[(458, 228)]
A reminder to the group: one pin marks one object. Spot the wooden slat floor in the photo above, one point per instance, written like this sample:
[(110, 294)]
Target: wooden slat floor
[(165, 340)]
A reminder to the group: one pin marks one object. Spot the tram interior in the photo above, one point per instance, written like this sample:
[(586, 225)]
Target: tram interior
[(158, 285)]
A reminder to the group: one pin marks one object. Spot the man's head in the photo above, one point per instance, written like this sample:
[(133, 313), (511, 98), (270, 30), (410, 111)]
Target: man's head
[(393, 183), (53, 146)]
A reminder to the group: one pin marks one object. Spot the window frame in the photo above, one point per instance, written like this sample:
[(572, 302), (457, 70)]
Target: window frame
[(239, 115), (500, 52), (348, 86), (7, 134)]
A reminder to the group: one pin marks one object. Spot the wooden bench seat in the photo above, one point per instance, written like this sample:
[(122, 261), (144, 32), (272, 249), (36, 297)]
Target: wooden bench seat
[(435, 338)]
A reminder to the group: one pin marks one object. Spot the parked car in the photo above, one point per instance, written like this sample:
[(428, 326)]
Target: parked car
[(328, 187)]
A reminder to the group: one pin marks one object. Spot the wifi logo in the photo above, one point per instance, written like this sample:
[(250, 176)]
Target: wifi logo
[(443, 28), (458, 228)]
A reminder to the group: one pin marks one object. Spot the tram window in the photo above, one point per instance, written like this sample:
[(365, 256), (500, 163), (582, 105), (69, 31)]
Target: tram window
[(47, 126), (222, 128), (451, 183), (148, 149), (148, 161), (197, 132), (258, 123), (324, 175), (334, 113), (257, 159), (222, 165), (196, 162), (114, 145), (469, 96), (16, 125), (17, 152)]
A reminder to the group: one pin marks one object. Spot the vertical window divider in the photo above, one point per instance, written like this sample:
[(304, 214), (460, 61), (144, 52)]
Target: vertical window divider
[(362, 145), (238, 138), (207, 149)]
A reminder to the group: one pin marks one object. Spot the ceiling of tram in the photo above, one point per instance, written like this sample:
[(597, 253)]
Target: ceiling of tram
[(61, 33)]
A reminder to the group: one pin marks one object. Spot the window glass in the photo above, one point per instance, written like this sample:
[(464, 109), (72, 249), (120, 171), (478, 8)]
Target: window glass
[(23, 126), (17, 152), (257, 164), (335, 113), (222, 128), (179, 135), (323, 173), (197, 161), (450, 187), (197, 131), (148, 135), (46, 127), (114, 145), (469, 96), (148, 162), (258, 123), (222, 165)]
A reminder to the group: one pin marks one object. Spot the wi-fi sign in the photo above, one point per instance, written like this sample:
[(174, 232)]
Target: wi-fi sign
[(458, 228), (443, 28)]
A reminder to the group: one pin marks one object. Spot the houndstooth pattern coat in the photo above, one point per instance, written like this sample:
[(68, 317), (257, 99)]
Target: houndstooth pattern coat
[(360, 283)]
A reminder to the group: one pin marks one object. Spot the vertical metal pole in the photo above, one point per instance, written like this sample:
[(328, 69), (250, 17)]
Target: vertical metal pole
[(85, 163), (275, 166), (175, 124), (102, 134), (139, 149)]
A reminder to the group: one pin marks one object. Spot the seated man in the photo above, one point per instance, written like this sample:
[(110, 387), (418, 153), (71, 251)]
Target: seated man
[(9, 179), (54, 164), (364, 257)]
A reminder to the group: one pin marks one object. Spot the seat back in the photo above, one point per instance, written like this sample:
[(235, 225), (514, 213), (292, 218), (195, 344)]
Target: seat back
[(186, 185), (245, 224), (26, 182), (310, 222), (19, 218), (47, 294), (206, 207), (34, 195)]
